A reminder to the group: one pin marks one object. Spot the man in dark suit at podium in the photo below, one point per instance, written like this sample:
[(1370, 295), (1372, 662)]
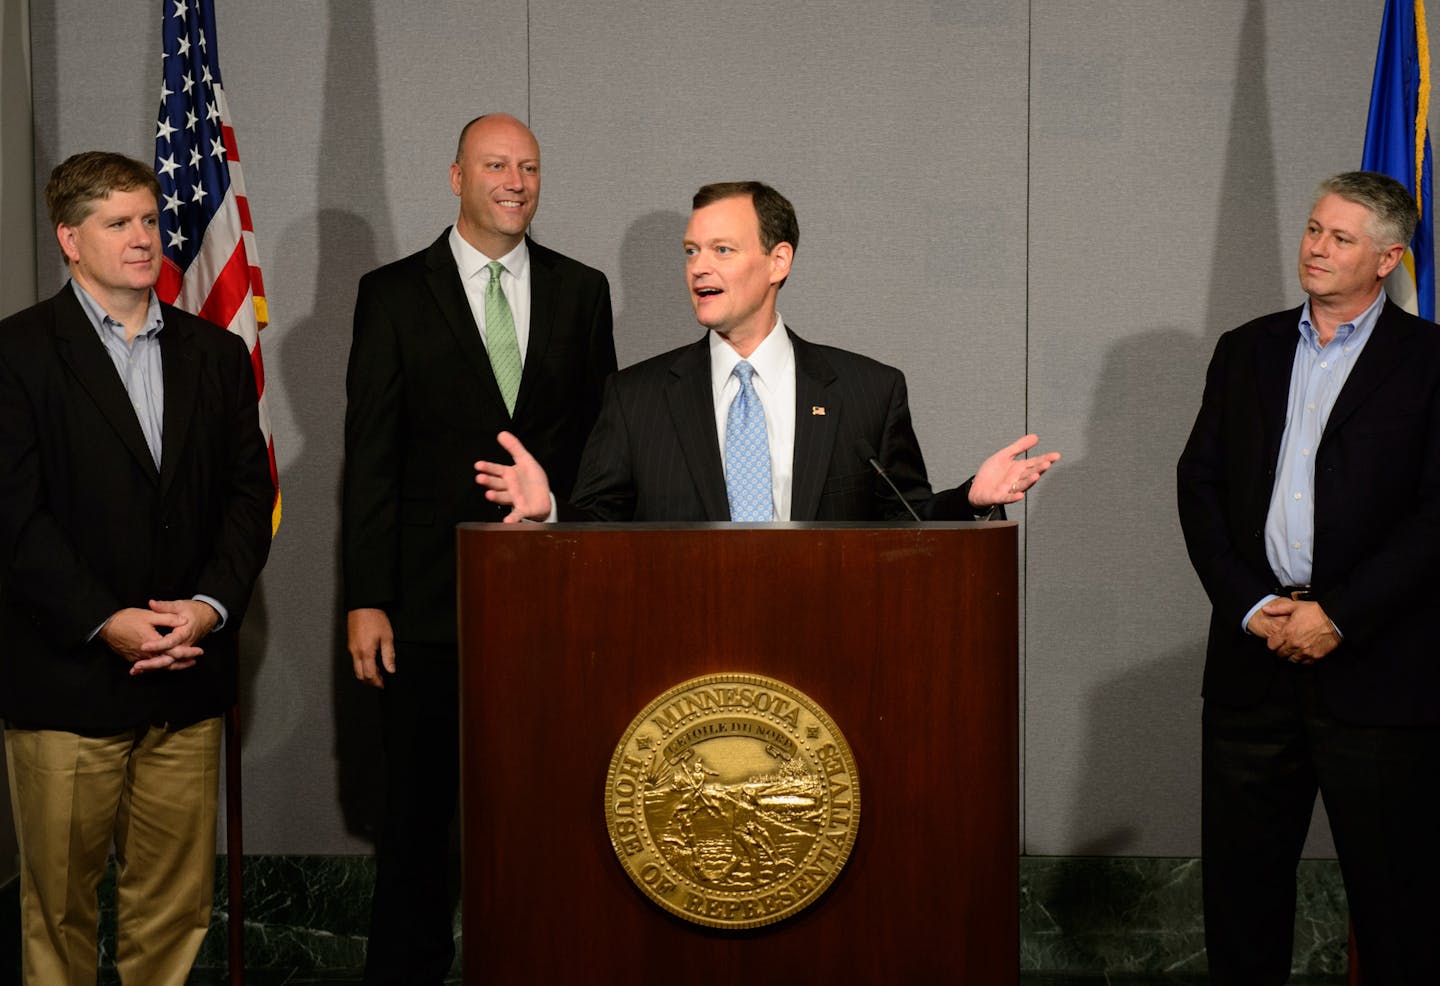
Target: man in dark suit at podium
[(484, 330), (1310, 500), (752, 422)]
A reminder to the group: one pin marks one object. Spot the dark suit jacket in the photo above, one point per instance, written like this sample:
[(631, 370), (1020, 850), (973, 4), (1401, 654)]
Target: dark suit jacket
[(1377, 515), (654, 454), (423, 406), (89, 526)]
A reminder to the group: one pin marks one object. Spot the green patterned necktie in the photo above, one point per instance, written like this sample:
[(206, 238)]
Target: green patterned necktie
[(500, 338)]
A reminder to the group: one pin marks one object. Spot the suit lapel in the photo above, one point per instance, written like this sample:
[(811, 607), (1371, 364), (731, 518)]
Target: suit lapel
[(1272, 379), (83, 352), (443, 279), (181, 373), (692, 408), (544, 290), (814, 431), (1383, 351)]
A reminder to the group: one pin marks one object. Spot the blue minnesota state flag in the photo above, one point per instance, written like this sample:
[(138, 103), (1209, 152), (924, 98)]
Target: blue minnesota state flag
[(1397, 142)]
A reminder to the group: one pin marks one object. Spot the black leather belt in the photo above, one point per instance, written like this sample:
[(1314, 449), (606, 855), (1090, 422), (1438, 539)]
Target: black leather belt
[(1299, 593)]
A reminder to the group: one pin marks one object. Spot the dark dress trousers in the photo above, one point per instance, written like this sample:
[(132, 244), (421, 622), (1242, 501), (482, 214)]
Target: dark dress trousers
[(89, 525), (422, 406), (654, 454), (1361, 724)]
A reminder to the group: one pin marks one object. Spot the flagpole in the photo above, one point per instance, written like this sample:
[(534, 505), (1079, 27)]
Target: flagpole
[(211, 268), (234, 846)]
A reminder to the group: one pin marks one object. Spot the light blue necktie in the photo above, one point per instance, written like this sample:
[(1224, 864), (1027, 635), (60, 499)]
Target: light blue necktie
[(747, 453), (500, 338)]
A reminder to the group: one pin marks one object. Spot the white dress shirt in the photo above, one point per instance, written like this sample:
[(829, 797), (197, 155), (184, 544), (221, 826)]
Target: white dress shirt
[(774, 363), (514, 281)]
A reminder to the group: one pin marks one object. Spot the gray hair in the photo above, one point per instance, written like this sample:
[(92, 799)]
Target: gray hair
[(1393, 212)]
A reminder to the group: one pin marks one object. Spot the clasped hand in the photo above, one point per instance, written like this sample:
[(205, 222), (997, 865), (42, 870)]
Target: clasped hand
[(164, 636), (1297, 630)]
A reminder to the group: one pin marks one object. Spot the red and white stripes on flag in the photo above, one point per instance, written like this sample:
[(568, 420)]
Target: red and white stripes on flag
[(211, 265)]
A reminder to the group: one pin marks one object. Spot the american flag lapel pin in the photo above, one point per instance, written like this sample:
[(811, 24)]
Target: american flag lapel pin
[(817, 410)]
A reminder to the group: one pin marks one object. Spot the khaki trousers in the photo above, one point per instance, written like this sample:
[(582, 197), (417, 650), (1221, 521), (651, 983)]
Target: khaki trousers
[(154, 793)]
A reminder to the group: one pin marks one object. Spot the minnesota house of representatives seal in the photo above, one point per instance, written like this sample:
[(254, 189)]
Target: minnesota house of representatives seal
[(732, 800)]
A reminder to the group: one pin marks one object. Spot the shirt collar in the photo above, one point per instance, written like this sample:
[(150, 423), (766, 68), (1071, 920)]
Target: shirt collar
[(471, 261), (774, 356), (1355, 330), (101, 321)]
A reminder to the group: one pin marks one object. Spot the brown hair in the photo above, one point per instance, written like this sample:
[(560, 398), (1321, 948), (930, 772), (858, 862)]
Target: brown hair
[(83, 179), (777, 216)]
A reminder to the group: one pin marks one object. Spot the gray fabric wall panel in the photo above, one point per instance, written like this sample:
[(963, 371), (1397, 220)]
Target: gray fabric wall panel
[(17, 257), (897, 130), (1173, 153), (371, 125)]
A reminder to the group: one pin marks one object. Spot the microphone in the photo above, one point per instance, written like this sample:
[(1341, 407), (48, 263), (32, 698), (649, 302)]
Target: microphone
[(869, 455)]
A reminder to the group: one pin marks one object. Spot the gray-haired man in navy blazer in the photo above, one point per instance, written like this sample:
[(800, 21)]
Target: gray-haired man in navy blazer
[(1310, 501)]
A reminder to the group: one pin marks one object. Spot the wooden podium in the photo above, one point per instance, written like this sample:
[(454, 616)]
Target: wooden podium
[(905, 635)]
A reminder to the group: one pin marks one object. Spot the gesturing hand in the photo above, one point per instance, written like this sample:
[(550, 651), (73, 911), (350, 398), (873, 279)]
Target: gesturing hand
[(1004, 478), (523, 487)]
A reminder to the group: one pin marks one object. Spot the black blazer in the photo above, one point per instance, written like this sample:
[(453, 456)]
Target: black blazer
[(423, 406), (1377, 515), (89, 526), (654, 454)]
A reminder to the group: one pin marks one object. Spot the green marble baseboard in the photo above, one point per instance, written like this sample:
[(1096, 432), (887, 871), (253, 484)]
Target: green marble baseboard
[(1078, 916), (1132, 915)]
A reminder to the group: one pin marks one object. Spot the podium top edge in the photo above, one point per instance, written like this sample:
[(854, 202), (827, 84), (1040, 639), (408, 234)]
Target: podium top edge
[(890, 527)]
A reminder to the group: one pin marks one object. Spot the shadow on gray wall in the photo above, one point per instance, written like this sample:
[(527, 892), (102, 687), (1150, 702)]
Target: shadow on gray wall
[(352, 139), (1243, 281), (311, 359), (1146, 398), (1137, 724), (657, 316)]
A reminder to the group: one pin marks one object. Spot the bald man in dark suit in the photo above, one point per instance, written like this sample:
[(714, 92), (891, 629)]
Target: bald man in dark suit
[(485, 330)]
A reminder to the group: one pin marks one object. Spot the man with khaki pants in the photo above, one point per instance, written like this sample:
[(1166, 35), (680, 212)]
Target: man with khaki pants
[(135, 499)]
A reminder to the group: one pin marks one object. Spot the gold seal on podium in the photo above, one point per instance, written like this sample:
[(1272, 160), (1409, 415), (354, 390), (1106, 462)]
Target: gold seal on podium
[(733, 800)]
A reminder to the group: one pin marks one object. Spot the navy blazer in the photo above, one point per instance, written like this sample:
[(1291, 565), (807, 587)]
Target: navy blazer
[(1377, 515), (654, 454), (89, 526)]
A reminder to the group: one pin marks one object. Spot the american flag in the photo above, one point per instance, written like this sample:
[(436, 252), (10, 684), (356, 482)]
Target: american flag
[(211, 266)]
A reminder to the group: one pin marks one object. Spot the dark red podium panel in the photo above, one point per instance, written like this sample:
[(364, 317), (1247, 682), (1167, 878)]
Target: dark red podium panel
[(905, 635)]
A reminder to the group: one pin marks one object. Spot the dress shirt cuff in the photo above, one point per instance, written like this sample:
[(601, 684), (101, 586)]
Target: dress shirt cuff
[(1245, 623), (220, 610), (554, 513)]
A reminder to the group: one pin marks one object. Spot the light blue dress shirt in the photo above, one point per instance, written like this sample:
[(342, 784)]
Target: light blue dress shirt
[(1316, 379), (141, 371)]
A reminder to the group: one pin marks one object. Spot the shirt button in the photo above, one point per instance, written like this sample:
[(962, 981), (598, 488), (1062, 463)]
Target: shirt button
[(1296, 545), (1304, 451), (1297, 496), (1323, 364), (1310, 407)]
